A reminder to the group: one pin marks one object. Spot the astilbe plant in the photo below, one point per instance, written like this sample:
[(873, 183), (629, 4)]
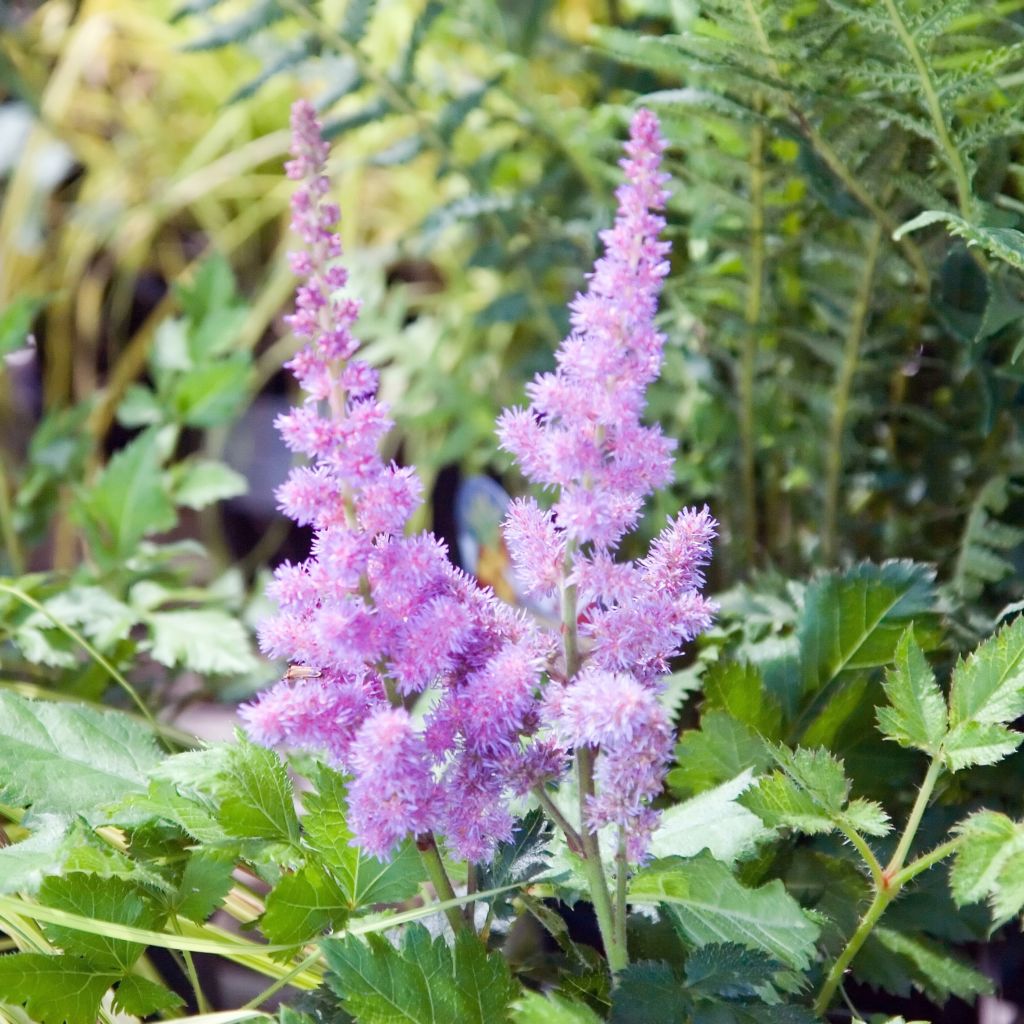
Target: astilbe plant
[(376, 617)]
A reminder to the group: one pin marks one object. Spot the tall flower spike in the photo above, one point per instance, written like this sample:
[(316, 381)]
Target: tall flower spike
[(583, 435)]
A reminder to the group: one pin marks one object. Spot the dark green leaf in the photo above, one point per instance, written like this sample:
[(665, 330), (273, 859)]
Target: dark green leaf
[(54, 989), (205, 882), (141, 997), (258, 799), (301, 906), (720, 750)]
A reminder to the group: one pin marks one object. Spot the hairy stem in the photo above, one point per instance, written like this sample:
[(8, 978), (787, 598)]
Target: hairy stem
[(434, 866), (841, 395), (621, 885), (591, 849), (887, 886)]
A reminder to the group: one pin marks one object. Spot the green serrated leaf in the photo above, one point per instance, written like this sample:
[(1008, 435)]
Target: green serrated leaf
[(141, 997), (738, 689), (127, 501), (916, 716), (205, 882), (648, 993), (258, 801), (535, 1008), (709, 905), (59, 989), (204, 640), (423, 982), (1006, 244), (989, 686), (69, 759), (101, 899), (729, 971), (302, 905), (517, 861), (990, 864), (212, 393), (720, 750), (364, 880)]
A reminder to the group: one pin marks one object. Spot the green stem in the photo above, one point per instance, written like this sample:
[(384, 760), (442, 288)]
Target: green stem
[(882, 899), (280, 983), (868, 855), (434, 866), (841, 395), (572, 837), (924, 794), (960, 176), (618, 959), (77, 637), (621, 885), (888, 886)]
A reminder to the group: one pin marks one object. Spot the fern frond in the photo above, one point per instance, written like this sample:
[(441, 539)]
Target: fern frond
[(986, 542), (258, 17)]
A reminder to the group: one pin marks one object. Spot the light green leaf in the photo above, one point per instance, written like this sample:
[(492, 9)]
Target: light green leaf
[(738, 689), (714, 821), (127, 501), (211, 393), (424, 982), (709, 905), (54, 989), (93, 610), (141, 997), (205, 882), (205, 640), (989, 686), (990, 864), (1005, 244), (916, 716), (202, 482), (939, 974), (70, 759), (364, 880), (534, 1008), (720, 750), (24, 865), (258, 801), (301, 906)]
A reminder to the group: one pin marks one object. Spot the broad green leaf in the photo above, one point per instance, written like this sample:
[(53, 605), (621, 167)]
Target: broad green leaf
[(205, 882), (990, 864), (535, 1008), (738, 689), (102, 899), (937, 972), (24, 865), (128, 500), (364, 880), (54, 989), (258, 800), (721, 749), (916, 716), (204, 481), (302, 905), (713, 821), (854, 620), (709, 905), (141, 997), (423, 982), (205, 640), (971, 743), (648, 993), (16, 322), (70, 759)]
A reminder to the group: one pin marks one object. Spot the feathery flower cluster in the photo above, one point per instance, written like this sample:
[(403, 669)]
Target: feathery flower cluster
[(582, 435), (376, 618)]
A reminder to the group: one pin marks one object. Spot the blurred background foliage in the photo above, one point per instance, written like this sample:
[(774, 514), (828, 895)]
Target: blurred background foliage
[(841, 389)]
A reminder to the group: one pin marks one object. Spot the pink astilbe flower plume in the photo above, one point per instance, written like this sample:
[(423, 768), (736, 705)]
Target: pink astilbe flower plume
[(582, 435), (378, 620)]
